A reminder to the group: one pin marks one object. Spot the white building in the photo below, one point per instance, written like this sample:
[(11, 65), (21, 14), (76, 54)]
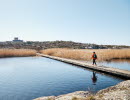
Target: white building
[(17, 40)]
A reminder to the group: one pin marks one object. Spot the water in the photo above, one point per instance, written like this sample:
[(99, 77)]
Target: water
[(27, 78), (117, 63)]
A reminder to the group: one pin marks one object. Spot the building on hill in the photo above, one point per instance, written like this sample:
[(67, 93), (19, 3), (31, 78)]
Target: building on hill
[(16, 39)]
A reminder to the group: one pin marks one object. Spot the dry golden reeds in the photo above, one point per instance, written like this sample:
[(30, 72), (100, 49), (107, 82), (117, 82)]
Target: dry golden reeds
[(85, 54), (17, 52)]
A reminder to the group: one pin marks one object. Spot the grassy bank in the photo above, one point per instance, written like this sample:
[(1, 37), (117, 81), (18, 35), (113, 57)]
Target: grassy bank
[(85, 54), (17, 52)]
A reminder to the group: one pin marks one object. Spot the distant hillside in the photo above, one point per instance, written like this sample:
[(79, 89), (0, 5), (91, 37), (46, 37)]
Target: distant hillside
[(57, 44)]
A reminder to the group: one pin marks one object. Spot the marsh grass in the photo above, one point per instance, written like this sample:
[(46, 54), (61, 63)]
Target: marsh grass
[(85, 54), (17, 52)]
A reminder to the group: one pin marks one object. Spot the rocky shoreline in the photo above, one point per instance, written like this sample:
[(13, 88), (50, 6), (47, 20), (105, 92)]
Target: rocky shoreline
[(120, 91)]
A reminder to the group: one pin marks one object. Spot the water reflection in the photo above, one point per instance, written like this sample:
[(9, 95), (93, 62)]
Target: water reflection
[(32, 77), (94, 78), (120, 60), (117, 63)]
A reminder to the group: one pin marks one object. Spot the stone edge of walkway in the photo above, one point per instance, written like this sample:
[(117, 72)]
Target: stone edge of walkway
[(105, 69)]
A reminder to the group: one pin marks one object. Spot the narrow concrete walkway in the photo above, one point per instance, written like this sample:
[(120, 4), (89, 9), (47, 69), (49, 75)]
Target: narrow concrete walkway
[(108, 70)]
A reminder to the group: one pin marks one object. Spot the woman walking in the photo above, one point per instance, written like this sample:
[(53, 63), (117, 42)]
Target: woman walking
[(94, 57)]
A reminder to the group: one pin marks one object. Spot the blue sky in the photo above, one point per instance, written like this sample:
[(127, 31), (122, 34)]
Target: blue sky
[(87, 21)]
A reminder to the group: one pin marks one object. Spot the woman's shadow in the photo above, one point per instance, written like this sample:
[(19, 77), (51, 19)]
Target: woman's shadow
[(94, 78)]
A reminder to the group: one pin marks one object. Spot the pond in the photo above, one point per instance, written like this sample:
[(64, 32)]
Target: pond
[(117, 63), (27, 78)]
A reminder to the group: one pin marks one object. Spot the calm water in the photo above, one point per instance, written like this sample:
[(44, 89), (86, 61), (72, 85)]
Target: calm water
[(27, 78), (121, 64)]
